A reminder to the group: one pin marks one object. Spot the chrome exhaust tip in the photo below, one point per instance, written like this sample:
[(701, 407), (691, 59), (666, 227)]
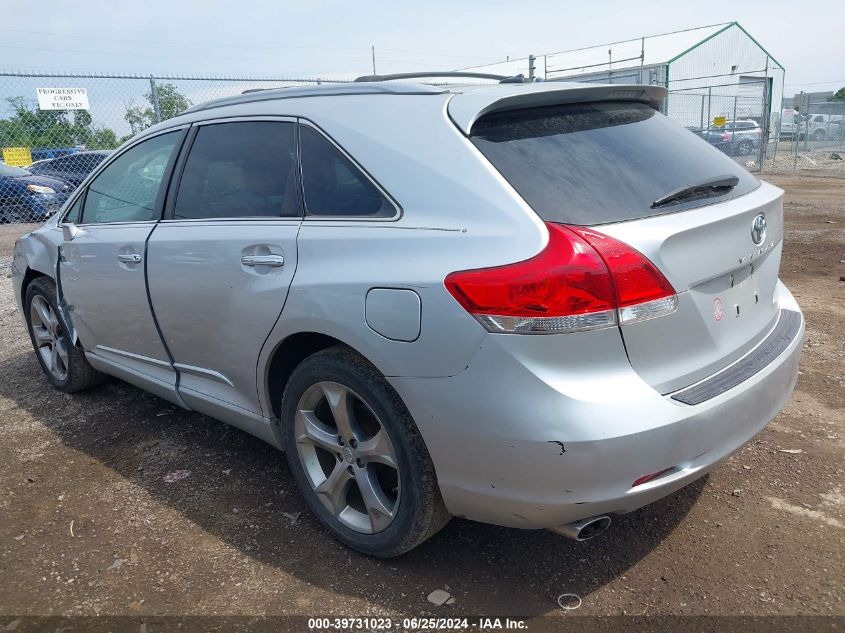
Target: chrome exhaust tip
[(585, 529)]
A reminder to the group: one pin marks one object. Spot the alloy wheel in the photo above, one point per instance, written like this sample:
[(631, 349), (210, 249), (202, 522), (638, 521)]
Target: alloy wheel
[(50, 340), (347, 457)]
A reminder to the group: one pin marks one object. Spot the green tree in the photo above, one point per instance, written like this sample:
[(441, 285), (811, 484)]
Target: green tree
[(170, 104), (31, 127), (104, 138), (839, 95), (36, 128), (170, 101)]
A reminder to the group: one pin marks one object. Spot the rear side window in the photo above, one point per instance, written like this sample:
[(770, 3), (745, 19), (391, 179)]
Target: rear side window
[(596, 163), (82, 162), (333, 185), (57, 164), (240, 170)]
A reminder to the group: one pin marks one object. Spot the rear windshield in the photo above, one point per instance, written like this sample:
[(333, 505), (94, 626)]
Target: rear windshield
[(595, 163)]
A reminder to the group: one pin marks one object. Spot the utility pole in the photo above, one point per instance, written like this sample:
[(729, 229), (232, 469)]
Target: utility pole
[(373, 48), (154, 100)]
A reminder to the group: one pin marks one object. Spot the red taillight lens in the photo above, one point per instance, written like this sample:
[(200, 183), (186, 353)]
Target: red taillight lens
[(576, 283), (547, 293), (635, 278)]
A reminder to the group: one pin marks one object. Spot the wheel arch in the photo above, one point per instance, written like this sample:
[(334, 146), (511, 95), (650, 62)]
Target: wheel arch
[(29, 276), (287, 355)]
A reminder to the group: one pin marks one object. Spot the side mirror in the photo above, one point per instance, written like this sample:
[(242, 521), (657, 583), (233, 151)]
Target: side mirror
[(70, 231)]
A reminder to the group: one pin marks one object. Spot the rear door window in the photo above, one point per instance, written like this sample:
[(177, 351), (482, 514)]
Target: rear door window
[(240, 170), (596, 163)]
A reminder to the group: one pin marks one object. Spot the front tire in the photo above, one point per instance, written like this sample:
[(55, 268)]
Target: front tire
[(63, 363), (357, 455)]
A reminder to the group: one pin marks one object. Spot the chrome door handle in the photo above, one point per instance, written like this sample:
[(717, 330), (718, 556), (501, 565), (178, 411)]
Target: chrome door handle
[(132, 258), (274, 261)]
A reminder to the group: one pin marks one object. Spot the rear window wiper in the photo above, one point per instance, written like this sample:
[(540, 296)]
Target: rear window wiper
[(713, 187)]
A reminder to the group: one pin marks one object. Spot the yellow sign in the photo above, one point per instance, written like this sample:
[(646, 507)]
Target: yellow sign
[(17, 156), (719, 121)]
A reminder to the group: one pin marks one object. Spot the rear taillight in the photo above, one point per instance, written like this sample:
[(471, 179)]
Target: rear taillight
[(581, 280), (641, 291)]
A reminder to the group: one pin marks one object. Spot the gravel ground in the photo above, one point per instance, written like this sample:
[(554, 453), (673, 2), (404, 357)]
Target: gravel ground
[(89, 525)]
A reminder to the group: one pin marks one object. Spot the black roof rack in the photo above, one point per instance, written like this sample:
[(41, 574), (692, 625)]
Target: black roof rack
[(327, 90), (502, 79)]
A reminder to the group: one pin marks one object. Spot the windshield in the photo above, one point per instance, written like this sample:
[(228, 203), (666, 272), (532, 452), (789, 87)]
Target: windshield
[(13, 172), (595, 163)]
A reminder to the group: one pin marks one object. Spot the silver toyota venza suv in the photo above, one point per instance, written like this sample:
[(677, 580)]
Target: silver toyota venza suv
[(536, 305)]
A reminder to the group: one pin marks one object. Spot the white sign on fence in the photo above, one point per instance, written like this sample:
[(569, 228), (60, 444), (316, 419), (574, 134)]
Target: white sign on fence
[(62, 99)]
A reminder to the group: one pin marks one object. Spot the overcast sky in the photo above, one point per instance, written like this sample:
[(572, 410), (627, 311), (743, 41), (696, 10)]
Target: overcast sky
[(322, 37)]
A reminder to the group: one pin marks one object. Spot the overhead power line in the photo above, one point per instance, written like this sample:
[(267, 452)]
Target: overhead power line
[(816, 83), (364, 58), (230, 45)]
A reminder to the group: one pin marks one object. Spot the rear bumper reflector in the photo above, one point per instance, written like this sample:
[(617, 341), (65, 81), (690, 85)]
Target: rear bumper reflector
[(780, 338)]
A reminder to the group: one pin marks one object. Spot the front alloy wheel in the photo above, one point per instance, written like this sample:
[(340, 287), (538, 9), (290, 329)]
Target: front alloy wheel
[(49, 338), (63, 362), (347, 457)]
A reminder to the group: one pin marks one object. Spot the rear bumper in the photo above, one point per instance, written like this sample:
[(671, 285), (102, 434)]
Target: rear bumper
[(523, 442)]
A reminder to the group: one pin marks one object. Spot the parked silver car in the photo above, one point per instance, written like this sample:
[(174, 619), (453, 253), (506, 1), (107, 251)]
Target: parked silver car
[(534, 305), (744, 136)]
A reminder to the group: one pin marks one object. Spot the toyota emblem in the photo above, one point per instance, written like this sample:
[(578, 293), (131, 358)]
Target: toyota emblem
[(758, 228)]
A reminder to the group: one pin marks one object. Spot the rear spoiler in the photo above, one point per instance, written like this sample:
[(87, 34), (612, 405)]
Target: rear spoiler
[(467, 107)]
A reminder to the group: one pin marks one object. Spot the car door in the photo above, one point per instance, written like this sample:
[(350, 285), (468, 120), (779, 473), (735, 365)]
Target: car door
[(102, 263), (221, 262)]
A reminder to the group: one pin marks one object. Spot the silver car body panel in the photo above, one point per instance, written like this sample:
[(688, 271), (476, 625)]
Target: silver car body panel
[(523, 430), (214, 311), (677, 350), (107, 297)]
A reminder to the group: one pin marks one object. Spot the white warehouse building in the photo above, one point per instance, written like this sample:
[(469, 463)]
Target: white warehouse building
[(710, 72)]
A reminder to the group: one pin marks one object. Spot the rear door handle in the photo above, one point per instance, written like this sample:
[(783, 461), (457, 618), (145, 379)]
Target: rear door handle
[(132, 258), (274, 261)]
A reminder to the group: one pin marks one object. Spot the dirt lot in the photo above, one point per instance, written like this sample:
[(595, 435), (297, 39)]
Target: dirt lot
[(89, 526)]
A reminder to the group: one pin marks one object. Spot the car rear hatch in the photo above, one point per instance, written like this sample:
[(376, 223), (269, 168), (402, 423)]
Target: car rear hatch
[(618, 166)]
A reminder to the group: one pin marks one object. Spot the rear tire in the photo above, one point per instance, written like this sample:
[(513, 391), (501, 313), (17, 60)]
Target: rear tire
[(357, 455), (744, 148), (63, 363), (818, 135)]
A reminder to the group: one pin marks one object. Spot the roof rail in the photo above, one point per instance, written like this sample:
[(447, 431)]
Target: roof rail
[(502, 79)]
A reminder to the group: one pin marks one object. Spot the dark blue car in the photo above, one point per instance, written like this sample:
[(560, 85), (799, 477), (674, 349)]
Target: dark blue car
[(72, 169), (25, 197)]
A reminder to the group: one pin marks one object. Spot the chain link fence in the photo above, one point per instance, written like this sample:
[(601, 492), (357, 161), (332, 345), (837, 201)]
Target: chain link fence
[(813, 139), (733, 117), (56, 128)]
